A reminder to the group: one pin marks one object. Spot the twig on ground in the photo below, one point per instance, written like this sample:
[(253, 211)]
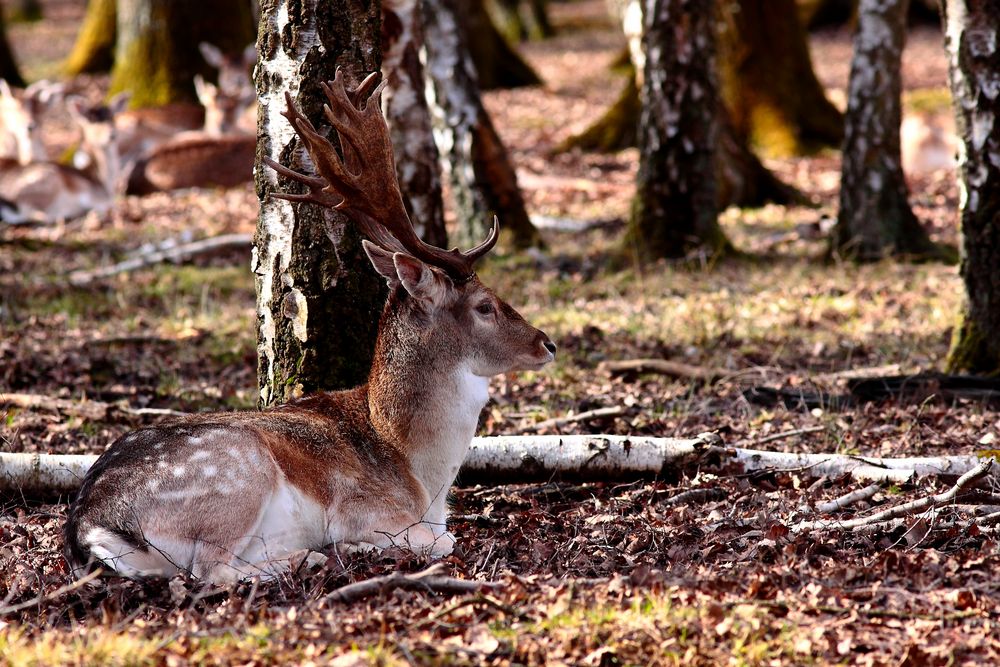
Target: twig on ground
[(666, 367), (588, 415), (848, 499), (906, 509), (694, 496), (176, 253), (428, 580), (783, 435), (62, 590), (83, 408)]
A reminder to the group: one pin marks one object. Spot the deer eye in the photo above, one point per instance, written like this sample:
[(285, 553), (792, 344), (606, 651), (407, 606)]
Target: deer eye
[(485, 308)]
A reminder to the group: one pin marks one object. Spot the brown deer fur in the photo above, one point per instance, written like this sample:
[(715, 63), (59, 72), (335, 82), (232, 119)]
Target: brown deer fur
[(227, 496)]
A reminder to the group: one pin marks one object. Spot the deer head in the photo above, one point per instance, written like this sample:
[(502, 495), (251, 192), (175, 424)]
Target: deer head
[(436, 295), (99, 153), (20, 135)]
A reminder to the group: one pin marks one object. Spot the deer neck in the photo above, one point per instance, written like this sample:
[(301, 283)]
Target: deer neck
[(427, 403)]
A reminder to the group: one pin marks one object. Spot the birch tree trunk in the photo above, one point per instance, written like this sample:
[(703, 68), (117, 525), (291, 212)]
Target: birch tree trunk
[(875, 218), (406, 111), (157, 56), (674, 209), (94, 48), (8, 66), (318, 299), (972, 39), (482, 179)]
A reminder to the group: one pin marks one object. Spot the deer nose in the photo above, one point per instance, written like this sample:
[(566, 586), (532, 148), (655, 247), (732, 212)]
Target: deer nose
[(549, 345)]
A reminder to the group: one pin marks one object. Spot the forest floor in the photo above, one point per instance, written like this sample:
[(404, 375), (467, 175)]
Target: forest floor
[(597, 573)]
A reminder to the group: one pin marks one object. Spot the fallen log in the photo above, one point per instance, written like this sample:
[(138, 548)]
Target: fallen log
[(175, 254), (674, 369), (511, 458)]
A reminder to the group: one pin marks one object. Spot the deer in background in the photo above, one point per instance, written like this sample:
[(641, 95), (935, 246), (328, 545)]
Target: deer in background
[(220, 153), (20, 120), (47, 191), (232, 495)]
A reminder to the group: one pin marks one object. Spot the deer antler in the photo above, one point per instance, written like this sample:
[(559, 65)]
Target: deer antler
[(363, 182)]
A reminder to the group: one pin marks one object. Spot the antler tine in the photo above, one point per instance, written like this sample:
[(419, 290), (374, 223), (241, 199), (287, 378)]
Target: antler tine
[(487, 245), (363, 183)]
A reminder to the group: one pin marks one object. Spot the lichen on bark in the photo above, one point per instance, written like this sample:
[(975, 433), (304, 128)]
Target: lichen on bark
[(318, 299), (972, 41)]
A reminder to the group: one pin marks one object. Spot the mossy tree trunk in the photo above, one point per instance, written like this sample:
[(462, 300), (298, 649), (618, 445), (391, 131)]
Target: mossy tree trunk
[(767, 80), (674, 209), (497, 64), (318, 299), (418, 165), (26, 11), (971, 39), (483, 180), (875, 218), (8, 66), (94, 49), (157, 55), (518, 20)]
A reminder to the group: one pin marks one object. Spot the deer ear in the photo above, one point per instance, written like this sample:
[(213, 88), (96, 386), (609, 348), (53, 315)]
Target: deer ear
[(212, 55), (418, 279), (119, 102), (250, 55), (381, 259)]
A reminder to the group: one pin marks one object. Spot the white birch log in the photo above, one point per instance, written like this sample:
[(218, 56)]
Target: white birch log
[(509, 458), (46, 474)]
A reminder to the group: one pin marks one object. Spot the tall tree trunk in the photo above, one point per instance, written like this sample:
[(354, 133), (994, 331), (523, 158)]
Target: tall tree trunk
[(417, 161), (157, 54), (497, 63), (95, 43), (518, 20), (742, 179), (767, 80), (483, 181), (8, 66), (972, 39), (318, 299), (674, 209), (875, 218)]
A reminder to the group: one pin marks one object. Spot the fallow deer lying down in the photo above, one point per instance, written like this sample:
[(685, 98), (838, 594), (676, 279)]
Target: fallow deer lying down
[(221, 152), (47, 191), (227, 496)]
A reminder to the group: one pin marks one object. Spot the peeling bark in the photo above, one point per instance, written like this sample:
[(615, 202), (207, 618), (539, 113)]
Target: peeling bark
[(157, 56), (875, 218), (406, 111), (318, 299), (94, 48), (483, 181), (972, 40), (674, 209)]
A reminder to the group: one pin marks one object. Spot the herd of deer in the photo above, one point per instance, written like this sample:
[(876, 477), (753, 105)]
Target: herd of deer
[(125, 151)]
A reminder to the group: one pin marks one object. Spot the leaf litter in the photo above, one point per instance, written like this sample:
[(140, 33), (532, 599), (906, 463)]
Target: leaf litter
[(697, 566)]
